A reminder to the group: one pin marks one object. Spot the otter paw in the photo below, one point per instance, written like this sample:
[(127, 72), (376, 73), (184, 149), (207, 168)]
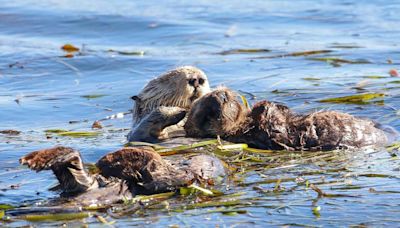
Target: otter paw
[(45, 159)]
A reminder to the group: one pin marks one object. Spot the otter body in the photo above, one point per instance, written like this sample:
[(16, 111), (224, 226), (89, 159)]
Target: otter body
[(122, 174), (273, 126)]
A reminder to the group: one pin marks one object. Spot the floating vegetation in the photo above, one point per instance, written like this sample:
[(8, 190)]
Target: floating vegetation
[(316, 211), (10, 132), (296, 54), (354, 99), (6, 207), (93, 96), (155, 146), (216, 204), (79, 134), (187, 147), (103, 220), (311, 79), (336, 60), (394, 146), (140, 53), (345, 46), (245, 102), (243, 51), (69, 48), (375, 77), (191, 189), (55, 131), (55, 217), (62, 132)]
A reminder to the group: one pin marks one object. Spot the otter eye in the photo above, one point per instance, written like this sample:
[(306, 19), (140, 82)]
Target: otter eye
[(201, 81)]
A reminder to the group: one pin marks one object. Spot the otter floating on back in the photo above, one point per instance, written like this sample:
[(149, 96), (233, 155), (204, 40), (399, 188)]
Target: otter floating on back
[(274, 126), (163, 102)]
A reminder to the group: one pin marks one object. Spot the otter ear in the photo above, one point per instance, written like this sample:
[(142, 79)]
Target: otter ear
[(135, 98)]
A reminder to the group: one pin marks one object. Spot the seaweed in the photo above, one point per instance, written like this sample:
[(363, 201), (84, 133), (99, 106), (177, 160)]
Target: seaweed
[(354, 99), (296, 54), (243, 51)]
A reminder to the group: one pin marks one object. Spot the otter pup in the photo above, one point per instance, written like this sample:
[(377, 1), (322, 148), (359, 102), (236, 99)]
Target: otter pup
[(170, 94), (274, 126), (122, 174)]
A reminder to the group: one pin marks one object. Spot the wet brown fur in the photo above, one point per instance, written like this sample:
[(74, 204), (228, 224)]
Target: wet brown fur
[(123, 173), (273, 126)]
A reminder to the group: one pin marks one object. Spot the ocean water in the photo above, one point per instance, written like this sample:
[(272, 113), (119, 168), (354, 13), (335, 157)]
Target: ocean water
[(41, 89)]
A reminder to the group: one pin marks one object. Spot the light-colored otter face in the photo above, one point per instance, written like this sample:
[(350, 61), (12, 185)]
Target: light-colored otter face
[(217, 113), (177, 88)]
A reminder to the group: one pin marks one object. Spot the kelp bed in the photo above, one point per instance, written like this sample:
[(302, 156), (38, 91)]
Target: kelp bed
[(277, 183)]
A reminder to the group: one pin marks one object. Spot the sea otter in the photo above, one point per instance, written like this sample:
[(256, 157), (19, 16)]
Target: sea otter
[(158, 108), (274, 126), (170, 94), (122, 174)]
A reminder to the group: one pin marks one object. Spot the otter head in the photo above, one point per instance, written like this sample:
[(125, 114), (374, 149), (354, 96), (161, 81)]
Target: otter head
[(217, 113), (177, 88)]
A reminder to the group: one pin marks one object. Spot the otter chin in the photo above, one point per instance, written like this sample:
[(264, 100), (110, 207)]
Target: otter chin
[(166, 95), (274, 126)]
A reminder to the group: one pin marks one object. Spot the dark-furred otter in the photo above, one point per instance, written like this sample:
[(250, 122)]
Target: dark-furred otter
[(274, 126), (172, 94), (122, 174)]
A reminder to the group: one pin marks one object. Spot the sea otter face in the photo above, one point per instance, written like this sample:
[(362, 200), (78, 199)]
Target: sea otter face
[(196, 82), (177, 88), (217, 113)]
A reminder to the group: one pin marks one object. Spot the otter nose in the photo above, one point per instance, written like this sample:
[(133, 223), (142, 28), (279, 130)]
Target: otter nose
[(194, 82)]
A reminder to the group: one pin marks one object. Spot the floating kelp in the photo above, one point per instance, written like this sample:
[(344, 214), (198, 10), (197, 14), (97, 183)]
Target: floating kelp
[(336, 60), (324, 194), (316, 211), (373, 190), (93, 96), (374, 76), (55, 217), (311, 79), (296, 54), (153, 145), (354, 99), (230, 212), (140, 53), (394, 146), (245, 102), (193, 188), (104, 220), (345, 46), (216, 204), (145, 198), (243, 51), (79, 134), (9, 132), (55, 130), (188, 147), (69, 48)]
